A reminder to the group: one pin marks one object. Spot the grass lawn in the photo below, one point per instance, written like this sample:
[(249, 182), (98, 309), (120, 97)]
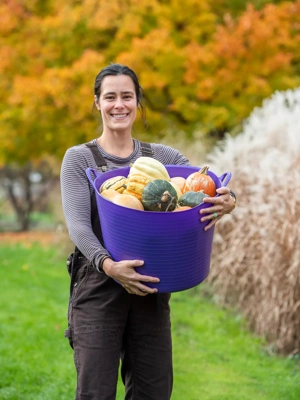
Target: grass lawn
[(215, 358)]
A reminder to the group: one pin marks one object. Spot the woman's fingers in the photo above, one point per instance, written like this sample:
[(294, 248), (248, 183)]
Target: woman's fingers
[(124, 272), (220, 205)]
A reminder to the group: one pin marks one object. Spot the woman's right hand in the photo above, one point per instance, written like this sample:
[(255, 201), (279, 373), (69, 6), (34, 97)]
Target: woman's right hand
[(124, 273)]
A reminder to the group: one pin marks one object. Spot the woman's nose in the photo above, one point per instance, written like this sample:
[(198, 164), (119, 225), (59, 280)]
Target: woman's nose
[(119, 102)]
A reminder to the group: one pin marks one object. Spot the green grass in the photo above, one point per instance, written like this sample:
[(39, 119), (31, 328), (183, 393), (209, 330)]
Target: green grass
[(215, 358)]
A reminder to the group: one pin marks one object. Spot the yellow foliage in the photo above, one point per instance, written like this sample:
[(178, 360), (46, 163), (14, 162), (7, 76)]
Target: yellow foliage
[(196, 69)]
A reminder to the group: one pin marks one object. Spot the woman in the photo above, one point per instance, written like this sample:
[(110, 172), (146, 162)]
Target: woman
[(107, 320)]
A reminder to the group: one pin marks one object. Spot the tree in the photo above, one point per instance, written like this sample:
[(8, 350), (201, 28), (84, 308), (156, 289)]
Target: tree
[(200, 72)]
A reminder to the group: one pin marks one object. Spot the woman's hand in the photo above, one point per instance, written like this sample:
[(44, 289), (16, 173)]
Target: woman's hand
[(124, 273), (221, 205)]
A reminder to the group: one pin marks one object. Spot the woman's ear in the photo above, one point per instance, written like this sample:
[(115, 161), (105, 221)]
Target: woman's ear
[(97, 103)]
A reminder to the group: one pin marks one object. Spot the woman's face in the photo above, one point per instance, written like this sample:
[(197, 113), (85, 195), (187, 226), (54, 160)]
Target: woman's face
[(117, 103)]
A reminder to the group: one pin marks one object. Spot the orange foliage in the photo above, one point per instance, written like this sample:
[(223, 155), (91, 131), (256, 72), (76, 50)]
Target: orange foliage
[(197, 72)]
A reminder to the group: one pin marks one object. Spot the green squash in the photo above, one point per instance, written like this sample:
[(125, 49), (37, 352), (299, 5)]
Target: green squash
[(159, 195), (192, 199)]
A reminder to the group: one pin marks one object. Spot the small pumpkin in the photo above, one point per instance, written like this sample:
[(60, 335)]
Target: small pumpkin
[(135, 185), (117, 183), (200, 180), (191, 199), (179, 181), (176, 187), (122, 199), (182, 208), (125, 200), (109, 194), (150, 168), (159, 195)]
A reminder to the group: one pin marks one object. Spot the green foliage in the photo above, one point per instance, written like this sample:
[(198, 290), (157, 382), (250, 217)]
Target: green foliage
[(214, 356), (236, 7)]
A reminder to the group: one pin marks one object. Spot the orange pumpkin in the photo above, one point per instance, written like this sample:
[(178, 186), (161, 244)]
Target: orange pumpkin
[(182, 208), (121, 199), (200, 180), (126, 200)]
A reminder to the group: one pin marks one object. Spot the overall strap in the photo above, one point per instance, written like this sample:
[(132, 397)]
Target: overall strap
[(99, 159), (146, 149)]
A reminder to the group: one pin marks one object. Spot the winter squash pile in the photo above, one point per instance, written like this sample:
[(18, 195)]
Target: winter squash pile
[(149, 187)]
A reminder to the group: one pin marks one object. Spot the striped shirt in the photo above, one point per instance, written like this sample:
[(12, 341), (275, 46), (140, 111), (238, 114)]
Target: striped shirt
[(76, 190)]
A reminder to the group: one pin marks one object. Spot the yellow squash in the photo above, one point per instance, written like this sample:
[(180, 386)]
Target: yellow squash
[(135, 185), (150, 168)]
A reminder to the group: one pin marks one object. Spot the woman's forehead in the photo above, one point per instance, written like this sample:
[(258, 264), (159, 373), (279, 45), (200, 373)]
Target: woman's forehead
[(117, 83)]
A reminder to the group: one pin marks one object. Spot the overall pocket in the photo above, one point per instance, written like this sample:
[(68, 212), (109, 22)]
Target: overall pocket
[(77, 267)]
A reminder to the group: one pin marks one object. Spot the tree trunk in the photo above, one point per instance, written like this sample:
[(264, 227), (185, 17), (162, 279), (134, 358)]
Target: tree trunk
[(20, 192)]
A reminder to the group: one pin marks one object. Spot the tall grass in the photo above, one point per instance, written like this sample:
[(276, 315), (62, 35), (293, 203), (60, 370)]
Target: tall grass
[(215, 357), (256, 258)]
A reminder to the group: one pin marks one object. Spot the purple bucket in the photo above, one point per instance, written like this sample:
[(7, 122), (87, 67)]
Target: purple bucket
[(174, 246)]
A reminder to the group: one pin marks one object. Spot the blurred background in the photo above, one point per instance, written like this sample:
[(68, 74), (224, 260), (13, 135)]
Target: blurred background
[(221, 83)]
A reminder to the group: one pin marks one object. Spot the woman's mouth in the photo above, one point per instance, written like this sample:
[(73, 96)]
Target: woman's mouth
[(119, 116)]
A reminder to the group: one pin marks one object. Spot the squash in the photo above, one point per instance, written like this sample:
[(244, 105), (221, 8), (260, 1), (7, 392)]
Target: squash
[(125, 200), (109, 194), (200, 180), (176, 187), (182, 208), (191, 199), (159, 195), (122, 199), (117, 183), (135, 185), (150, 168), (179, 181)]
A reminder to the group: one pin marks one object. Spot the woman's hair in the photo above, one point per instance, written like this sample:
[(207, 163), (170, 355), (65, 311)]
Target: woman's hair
[(118, 69)]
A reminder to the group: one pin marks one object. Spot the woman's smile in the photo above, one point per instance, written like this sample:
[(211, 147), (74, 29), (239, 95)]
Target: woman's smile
[(119, 116)]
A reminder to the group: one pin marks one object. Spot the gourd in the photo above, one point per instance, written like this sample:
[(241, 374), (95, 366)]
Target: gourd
[(182, 208), (191, 199), (109, 194), (125, 200), (159, 195), (200, 180), (179, 181), (135, 185), (117, 183), (150, 168), (122, 199), (176, 187)]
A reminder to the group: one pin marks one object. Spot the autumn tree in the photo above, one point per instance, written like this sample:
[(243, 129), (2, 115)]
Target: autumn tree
[(203, 70)]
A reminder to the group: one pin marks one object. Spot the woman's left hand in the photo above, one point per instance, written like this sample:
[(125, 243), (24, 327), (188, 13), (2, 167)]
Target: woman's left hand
[(221, 205)]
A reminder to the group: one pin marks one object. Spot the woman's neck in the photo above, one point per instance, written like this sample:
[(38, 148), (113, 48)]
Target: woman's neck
[(120, 146)]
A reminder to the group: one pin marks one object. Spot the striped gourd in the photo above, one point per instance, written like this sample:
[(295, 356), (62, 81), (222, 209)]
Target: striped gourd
[(117, 183)]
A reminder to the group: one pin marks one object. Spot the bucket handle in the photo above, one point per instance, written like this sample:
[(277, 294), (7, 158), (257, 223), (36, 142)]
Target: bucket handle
[(225, 178), (91, 174)]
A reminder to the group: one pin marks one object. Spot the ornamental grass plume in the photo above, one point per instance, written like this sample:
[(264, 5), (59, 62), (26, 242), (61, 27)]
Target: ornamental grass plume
[(256, 259)]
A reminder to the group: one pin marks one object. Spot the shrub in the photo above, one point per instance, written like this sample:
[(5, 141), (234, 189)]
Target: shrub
[(256, 257)]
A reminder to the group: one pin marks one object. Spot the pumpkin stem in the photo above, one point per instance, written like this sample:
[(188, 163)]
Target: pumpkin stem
[(204, 170), (165, 196)]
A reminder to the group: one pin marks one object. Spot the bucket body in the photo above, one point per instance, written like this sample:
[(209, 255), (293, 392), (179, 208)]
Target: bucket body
[(173, 245)]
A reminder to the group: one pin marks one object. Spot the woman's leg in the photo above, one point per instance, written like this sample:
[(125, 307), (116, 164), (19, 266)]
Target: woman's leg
[(147, 354), (98, 313)]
